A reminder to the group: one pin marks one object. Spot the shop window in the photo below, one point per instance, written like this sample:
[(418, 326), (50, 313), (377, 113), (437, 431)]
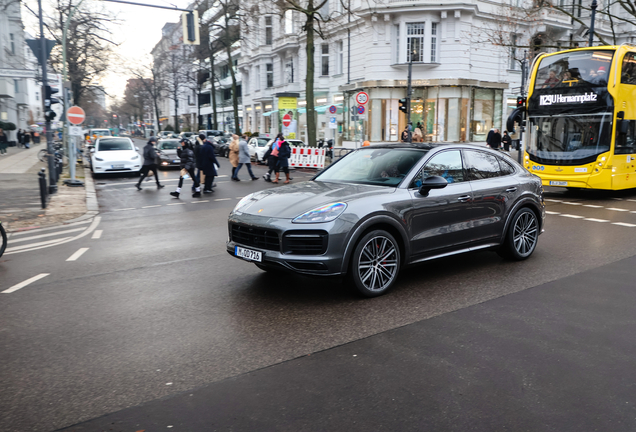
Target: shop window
[(415, 42), (270, 74), (324, 60), (269, 30)]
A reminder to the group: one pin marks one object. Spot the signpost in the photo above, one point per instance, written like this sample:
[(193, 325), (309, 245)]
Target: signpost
[(332, 123), (74, 115), (333, 109)]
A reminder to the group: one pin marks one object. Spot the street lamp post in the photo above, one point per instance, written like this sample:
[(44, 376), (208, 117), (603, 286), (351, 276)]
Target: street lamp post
[(594, 6)]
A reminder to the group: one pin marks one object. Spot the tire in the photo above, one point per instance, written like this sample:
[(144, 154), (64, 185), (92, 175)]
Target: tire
[(521, 237), (3, 239), (375, 263)]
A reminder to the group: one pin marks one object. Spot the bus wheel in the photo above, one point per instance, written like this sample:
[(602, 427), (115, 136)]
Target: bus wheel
[(521, 238)]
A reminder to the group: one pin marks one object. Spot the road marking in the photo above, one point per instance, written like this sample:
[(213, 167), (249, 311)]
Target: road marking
[(632, 200), (202, 201), (28, 248), (592, 206), (618, 199), (571, 203), (573, 216), (21, 239), (552, 213), (44, 243), (615, 209), (239, 198), (97, 234), (129, 183), (222, 199), (129, 208), (152, 206), (177, 204), (624, 224), (553, 200), (30, 231), (25, 283), (77, 254), (595, 220)]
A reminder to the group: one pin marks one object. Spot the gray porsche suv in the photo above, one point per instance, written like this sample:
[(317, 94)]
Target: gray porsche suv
[(387, 206)]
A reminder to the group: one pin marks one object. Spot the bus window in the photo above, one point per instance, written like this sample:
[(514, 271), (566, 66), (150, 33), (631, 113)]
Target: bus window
[(576, 68), (626, 143), (628, 74)]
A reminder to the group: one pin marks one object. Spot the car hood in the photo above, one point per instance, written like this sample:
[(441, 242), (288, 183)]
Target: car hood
[(116, 155), (287, 202), (169, 153)]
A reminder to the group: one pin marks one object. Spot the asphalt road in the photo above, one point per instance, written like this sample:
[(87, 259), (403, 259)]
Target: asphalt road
[(154, 307)]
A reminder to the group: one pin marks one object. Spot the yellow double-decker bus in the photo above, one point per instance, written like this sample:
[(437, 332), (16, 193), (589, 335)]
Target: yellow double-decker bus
[(581, 118)]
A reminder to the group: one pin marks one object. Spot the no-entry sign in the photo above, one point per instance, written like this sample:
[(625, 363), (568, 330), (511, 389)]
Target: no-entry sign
[(287, 119), (76, 115)]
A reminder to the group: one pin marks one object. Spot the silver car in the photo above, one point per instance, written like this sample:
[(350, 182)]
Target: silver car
[(387, 206), (168, 152)]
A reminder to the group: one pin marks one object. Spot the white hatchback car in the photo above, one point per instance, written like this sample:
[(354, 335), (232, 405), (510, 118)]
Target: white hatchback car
[(115, 155), (261, 150)]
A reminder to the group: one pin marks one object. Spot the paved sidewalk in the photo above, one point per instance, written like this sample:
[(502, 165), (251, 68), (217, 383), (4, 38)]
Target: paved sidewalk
[(20, 205)]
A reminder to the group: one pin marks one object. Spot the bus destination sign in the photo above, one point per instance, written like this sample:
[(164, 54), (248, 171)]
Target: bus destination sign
[(553, 99)]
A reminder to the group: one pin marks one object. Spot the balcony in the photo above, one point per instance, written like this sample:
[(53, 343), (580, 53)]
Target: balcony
[(21, 98)]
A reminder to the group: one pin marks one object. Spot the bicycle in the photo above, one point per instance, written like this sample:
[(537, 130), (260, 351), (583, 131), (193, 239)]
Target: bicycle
[(3, 239)]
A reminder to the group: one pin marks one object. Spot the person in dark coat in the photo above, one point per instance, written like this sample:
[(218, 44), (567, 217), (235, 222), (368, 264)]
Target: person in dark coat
[(188, 163), (26, 139), (271, 156), (284, 152), (494, 139), (207, 162), (150, 163), (20, 137), (506, 140), (4, 142)]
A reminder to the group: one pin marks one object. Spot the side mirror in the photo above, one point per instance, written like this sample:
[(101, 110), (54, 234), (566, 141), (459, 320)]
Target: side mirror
[(136, 148), (432, 182), (92, 149), (623, 126)]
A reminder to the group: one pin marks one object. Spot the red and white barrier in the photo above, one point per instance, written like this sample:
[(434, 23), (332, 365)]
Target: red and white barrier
[(307, 157)]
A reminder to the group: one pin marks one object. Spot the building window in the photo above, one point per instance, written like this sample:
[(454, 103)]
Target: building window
[(270, 74), (324, 10), (397, 44), (12, 37), (289, 71), (289, 22), (578, 9), (324, 60), (268, 30), (37, 96), (433, 42), (246, 80), (257, 78), (340, 65), (16, 88), (415, 42), (513, 52), (225, 71)]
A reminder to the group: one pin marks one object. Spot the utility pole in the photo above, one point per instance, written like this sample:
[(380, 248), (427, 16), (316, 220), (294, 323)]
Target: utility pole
[(524, 78), (47, 105), (594, 6), (409, 92)]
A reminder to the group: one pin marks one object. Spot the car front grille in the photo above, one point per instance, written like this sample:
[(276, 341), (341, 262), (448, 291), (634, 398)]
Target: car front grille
[(309, 242), (256, 237)]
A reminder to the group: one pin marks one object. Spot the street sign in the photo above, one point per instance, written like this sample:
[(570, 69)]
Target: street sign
[(355, 117), (332, 123), (76, 115), (362, 98), (333, 109), (287, 119), (361, 109), (75, 130)]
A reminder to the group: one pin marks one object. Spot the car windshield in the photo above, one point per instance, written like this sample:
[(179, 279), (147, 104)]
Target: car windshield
[(101, 132), (262, 142), (578, 68), (168, 145), (381, 166), (114, 145)]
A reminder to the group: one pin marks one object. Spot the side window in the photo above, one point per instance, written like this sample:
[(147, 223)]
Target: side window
[(626, 143), (447, 164), (505, 167), (628, 73), (481, 165)]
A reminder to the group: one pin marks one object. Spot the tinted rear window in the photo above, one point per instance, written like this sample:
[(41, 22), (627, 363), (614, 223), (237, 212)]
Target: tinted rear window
[(114, 145)]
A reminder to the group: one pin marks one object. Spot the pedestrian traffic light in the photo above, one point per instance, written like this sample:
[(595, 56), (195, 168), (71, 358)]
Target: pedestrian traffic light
[(403, 106), (521, 101)]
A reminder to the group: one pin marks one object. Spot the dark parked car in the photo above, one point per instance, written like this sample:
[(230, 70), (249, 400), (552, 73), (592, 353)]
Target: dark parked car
[(168, 152), (387, 206), (221, 146)]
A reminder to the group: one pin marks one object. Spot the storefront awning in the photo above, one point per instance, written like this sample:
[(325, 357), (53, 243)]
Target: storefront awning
[(320, 109), (269, 113)]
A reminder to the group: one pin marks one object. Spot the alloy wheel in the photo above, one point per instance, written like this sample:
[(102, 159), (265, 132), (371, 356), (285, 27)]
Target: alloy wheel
[(526, 231), (378, 265)]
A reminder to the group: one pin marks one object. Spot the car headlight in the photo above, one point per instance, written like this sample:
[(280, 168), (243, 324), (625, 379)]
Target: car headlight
[(243, 202), (325, 213), (134, 157), (99, 159)]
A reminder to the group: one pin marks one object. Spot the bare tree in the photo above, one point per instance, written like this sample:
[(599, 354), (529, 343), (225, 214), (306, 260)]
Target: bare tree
[(152, 86)]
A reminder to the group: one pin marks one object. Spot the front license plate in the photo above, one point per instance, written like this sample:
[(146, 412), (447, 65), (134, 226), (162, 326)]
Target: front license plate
[(117, 166), (248, 254), (558, 183), (176, 161)]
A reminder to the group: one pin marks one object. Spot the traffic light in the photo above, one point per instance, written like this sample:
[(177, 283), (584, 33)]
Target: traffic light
[(49, 114), (403, 105), (521, 102), (190, 23)]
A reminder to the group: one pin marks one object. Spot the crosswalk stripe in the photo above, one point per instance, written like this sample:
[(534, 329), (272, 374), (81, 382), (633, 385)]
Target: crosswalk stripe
[(22, 239), (595, 220), (30, 245), (13, 234), (25, 283), (572, 216), (624, 224)]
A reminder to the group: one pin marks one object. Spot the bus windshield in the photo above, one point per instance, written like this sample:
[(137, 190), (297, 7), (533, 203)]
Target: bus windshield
[(574, 69), (568, 139)]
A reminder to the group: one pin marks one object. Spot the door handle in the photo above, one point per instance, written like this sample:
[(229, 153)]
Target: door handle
[(464, 198), (511, 189)]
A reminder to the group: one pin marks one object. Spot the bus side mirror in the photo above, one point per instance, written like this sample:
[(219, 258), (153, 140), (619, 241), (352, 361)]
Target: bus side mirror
[(623, 127)]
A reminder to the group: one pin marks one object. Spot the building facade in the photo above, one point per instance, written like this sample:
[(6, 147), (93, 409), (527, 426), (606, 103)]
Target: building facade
[(466, 65)]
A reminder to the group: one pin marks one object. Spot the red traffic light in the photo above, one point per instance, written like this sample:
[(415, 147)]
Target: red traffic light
[(521, 102)]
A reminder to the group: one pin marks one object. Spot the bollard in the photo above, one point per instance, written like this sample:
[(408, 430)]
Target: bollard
[(59, 168), (43, 188)]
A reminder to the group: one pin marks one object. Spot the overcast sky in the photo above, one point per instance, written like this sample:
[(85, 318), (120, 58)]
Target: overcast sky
[(138, 32)]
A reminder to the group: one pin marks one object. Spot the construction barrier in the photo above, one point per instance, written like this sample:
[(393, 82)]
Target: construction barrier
[(307, 157)]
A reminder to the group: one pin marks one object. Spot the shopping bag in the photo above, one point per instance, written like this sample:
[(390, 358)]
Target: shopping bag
[(184, 173)]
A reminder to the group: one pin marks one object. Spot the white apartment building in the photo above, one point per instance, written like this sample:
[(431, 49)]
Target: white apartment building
[(465, 71)]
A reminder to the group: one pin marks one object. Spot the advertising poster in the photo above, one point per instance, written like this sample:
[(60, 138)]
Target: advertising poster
[(288, 116)]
